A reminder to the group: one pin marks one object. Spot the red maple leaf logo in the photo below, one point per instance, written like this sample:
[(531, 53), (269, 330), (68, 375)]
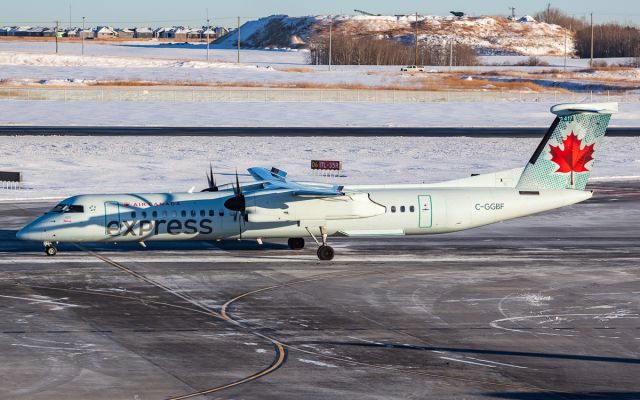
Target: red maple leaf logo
[(572, 158)]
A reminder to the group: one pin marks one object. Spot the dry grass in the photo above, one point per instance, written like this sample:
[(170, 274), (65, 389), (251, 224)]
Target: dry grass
[(296, 69), (122, 83), (608, 68), (438, 83)]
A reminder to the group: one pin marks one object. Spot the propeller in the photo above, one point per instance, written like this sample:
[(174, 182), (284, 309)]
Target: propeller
[(210, 181), (238, 204)]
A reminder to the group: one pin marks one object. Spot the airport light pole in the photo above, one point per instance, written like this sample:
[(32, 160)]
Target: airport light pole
[(238, 34), (55, 33), (330, 39), (416, 34), (565, 50), (208, 29), (591, 62), (82, 36), (451, 55)]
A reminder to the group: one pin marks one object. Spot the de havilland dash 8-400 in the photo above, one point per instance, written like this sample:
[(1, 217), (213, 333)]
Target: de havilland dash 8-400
[(274, 206)]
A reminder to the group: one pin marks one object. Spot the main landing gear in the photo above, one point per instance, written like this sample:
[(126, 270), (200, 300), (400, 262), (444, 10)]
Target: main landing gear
[(50, 249), (325, 252), (296, 243)]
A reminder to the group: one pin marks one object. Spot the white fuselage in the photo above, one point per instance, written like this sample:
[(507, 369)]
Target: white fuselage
[(374, 211)]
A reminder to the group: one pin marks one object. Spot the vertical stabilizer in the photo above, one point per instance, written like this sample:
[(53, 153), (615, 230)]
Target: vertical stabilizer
[(564, 158)]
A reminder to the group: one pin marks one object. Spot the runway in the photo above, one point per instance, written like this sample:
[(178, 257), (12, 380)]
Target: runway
[(544, 307), (24, 130)]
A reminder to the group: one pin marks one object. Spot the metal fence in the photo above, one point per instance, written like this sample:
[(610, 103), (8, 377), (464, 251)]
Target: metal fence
[(270, 95)]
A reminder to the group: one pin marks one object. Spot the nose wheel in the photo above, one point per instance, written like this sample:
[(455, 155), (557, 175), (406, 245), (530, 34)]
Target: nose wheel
[(325, 252)]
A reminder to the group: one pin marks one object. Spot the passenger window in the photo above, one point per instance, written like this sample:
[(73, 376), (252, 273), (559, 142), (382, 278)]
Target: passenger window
[(412, 209), (144, 214), (402, 209), (221, 213), (133, 215), (393, 209), (202, 213), (154, 214), (193, 213), (175, 214), (164, 213), (183, 213), (212, 213)]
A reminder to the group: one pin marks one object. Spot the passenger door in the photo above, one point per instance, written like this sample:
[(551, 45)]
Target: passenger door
[(112, 223), (425, 212)]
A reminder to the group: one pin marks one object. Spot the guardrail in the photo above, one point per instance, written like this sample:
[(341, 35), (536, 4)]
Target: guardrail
[(269, 95)]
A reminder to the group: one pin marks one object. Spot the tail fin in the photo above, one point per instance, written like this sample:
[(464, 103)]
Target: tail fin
[(564, 158)]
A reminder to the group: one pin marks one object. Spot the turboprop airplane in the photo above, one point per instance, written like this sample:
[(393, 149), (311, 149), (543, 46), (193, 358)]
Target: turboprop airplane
[(274, 206)]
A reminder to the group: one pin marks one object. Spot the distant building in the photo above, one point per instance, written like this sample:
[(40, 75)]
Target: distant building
[(143, 33), (195, 34), (4, 31), (86, 34), (527, 18), (49, 32), (105, 32), (125, 33), (20, 31), (73, 33), (220, 31), (181, 33), (166, 33)]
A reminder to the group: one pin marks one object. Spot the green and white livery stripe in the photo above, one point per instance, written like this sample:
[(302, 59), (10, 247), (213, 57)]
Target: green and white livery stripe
[(587, 122)]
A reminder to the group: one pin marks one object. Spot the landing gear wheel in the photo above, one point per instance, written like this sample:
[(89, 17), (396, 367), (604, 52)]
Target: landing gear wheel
[(51, 250), (296, 243), (325, 253)]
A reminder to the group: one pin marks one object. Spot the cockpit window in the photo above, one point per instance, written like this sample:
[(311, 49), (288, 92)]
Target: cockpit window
[(68, 208)]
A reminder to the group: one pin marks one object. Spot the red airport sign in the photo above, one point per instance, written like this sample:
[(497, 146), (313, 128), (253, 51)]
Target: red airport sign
[(326, 165)]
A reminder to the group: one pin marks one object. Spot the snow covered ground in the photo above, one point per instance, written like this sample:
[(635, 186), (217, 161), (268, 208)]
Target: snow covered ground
[(63, 166), (502, 114), (35, 63)]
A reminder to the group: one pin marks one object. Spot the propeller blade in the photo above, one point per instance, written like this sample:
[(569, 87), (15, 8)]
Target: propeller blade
[(239, 189), (211, 182)]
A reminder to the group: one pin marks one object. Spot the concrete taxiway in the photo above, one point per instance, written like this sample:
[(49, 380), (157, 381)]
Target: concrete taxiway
[(545, 307)]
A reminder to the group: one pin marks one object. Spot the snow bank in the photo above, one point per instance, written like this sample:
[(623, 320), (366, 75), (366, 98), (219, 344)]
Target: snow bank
[(488, 35)]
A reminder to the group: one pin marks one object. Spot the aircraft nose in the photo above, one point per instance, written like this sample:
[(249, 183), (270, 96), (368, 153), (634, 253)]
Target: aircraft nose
[(29, 233)]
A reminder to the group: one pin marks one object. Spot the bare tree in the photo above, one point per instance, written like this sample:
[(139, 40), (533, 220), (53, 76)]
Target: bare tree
[(351, 50), (611, 40)]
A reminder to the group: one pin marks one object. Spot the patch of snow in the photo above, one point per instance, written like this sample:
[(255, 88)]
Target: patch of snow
[(317, 363), (535, 299)]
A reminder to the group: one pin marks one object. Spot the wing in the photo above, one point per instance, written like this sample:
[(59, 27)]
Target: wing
[(277, 179)]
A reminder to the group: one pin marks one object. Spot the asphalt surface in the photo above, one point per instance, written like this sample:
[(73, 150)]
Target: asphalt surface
[(287, 131), (545, 307)]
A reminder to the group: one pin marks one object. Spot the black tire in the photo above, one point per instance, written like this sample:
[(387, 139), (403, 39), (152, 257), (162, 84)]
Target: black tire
[(50, 250), (325, 253), (296, 243)]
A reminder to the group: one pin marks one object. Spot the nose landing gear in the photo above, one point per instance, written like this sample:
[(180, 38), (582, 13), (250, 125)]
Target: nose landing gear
[(50, 249), (325, 252)]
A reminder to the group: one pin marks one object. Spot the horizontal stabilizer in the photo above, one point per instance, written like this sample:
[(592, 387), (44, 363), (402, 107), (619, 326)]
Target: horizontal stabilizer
[(277, 179)]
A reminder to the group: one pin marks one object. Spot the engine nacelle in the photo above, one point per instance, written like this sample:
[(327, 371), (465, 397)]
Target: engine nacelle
[(287, 207)]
